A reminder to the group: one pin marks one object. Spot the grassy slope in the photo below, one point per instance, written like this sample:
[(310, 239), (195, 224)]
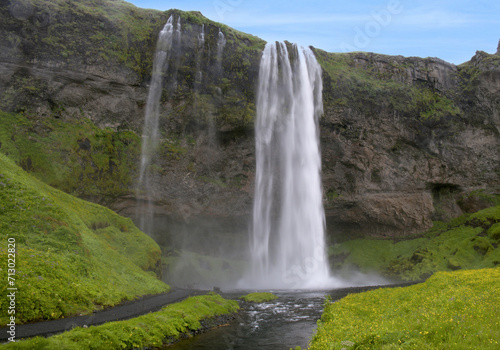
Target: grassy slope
[(451, 310), (72, 256), (150, 330), (470, 241)]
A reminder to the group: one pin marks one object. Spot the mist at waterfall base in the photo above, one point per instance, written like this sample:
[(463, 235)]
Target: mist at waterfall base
[(286, 248)]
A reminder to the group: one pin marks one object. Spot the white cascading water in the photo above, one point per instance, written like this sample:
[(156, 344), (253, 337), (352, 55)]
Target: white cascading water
[(199, 54), (176, 53), (150, 133), (221, 43), (201, 37), (287, 241)]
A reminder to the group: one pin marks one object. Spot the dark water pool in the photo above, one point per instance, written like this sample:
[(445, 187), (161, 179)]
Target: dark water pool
[(280, 324)]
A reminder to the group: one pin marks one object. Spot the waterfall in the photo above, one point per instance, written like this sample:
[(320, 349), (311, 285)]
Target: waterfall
[(221, 43), (201, 37), (287, 239), (178, 30), (150, 133), (199, 54), (176, 54)]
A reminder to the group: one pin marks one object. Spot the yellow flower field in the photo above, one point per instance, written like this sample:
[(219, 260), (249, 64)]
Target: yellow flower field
[(451, 310)]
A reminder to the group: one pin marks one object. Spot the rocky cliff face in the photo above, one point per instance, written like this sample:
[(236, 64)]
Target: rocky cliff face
[(407, 140), (404, 140), (86, 66)]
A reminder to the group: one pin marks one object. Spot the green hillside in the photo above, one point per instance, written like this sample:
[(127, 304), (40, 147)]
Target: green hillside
[(72, 256)]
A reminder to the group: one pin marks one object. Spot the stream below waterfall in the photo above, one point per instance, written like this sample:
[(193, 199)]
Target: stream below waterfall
[(281, 324)]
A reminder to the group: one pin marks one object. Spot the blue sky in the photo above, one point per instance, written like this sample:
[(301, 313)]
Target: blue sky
[(450, 30)]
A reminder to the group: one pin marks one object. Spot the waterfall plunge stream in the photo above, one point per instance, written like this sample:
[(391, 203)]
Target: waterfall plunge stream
[(287, 241)]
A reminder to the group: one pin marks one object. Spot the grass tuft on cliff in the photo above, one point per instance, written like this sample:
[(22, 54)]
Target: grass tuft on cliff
[(148, 331), (470, 241), (451, 310), (72, 256)]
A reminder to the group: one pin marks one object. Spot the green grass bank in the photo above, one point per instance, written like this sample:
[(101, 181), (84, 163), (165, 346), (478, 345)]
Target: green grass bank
[(451, 310), (72, 257), (151, 330)]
